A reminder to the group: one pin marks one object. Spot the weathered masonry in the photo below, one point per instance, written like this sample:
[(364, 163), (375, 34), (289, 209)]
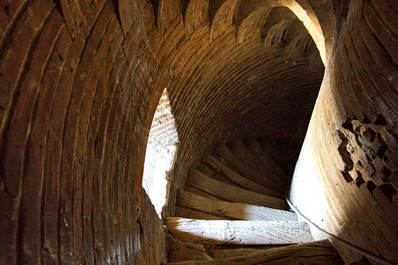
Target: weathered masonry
[(267, 96)]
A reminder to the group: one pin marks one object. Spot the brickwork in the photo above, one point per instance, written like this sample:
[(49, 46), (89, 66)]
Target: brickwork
[(74, 97), (237, 84), (80, 82), (354, 133)]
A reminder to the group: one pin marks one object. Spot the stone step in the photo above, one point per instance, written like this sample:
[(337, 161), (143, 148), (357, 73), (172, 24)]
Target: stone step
[(228, 210), (232, 193), (263, 178), (220, 232), (319, 252), (255, 147), (239, 149), (234, 176)]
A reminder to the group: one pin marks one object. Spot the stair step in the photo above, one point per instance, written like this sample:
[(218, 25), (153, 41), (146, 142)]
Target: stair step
[(254, 146), (319, 252), (248, 172), (242, 152), (239, 211), (239, 150), (200, 192), (242, 183), (184, 251), (284, 154), (194, 214), (234, 176), (228, 192), (205, 170), (217, 232), (217, 254)]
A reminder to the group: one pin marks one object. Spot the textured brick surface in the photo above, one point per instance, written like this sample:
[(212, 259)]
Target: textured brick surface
[(81, 80), (355, 114), (70, 136)]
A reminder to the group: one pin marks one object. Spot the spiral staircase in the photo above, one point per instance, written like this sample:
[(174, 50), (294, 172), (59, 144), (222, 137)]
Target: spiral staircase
[(233, 211)]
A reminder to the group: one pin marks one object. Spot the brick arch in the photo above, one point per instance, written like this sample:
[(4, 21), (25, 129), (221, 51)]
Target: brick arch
[(80, 85)]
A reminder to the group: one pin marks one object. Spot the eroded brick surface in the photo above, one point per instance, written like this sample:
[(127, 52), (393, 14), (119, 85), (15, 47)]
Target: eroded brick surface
[(81, 80)]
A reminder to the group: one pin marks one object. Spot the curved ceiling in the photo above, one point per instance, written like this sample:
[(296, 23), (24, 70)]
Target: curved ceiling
[(81, 81), (233, 69)]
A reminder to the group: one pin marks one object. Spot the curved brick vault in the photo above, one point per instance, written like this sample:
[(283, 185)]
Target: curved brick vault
[(81, 80)]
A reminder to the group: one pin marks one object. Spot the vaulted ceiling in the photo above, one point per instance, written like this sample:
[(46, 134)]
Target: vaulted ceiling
[(233, 69), (81, 80)]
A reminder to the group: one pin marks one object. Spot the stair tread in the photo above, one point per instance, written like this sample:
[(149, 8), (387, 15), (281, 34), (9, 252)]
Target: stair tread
[(281, 154), (234, 176), (200, 192), (205, 169), (232, 193), (240, 150), (217, 254), (255, 147), (240, 182), (317, 252), (248, 172), (238, 232), (239, 211), (185, 251), (194, 214)]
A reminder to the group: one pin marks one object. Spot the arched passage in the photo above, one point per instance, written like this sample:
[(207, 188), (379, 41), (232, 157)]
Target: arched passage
[(160, 154), (80, 85)]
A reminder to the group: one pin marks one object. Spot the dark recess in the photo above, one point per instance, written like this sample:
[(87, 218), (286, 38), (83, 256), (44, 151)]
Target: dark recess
[(388, 190), (155, 4), (58, 6), (184, 6), (117, 11), (371, 186)]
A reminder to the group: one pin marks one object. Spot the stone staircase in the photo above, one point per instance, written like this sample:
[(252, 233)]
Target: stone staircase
[(233, 211)]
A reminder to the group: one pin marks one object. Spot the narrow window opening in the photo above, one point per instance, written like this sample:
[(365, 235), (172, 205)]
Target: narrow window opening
[(160, 154)]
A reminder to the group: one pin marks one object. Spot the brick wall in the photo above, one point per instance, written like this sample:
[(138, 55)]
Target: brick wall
[(80, 83), (75, 90), (228, 80), (353, 135), (81, 80)]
